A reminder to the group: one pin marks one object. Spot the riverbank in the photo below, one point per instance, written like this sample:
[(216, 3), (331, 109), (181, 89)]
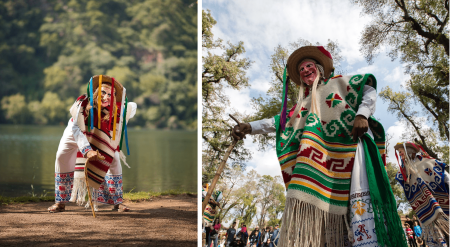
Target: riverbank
[(160, 220)]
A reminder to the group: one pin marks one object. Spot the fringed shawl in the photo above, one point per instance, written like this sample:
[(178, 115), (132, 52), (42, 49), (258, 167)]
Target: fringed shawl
[(99, 139), (316, 155), (428, 194)]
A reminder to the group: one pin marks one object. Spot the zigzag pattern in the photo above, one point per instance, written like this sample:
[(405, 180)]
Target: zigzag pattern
[(367, 243), (360, 221)]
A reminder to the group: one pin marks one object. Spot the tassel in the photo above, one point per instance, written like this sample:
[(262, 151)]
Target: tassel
[(114, 124), (401, 169), (99, 102), (94, 194), (126, 138), (123, 158), (284, 102), (306, 225), (91, 115), (88, 117), (124, 122), (111, 105)]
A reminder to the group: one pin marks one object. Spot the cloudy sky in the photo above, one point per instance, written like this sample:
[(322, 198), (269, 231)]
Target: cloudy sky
[(262, 25)]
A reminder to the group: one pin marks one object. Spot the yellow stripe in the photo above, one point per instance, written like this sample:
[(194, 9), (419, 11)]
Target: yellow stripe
[(323, 169), (285, 157), (288, 164), (334, 145), (326, 152), (326, 194), (99, 102), (115, 120)]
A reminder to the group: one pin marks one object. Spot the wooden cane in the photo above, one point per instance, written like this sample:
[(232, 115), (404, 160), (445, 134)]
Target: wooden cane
[(219, 170), (99, 156), (88, 189)]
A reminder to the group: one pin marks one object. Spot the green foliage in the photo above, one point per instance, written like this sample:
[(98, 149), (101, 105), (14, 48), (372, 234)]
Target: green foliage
[(222, 67), (402, 104), (244, 193), (417, 32), (149, 46)]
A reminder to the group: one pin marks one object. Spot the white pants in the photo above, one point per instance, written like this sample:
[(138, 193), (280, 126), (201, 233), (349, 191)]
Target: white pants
[(110, 192), (67, 154)]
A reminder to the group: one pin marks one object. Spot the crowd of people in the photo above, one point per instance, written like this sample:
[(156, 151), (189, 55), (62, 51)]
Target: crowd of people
[(413, 232), (233, 237)]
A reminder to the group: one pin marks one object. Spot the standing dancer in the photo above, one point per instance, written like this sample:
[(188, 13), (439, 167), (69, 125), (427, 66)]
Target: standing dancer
[(328, 140), (426, 186), (95, 129)]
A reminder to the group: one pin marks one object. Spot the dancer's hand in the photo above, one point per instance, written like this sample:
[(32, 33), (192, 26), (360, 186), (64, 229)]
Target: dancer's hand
[(94, 155), (360, 126), (239, 131)]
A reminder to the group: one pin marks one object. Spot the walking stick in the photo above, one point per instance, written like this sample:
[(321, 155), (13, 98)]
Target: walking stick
[(219, 170), (99, 156)]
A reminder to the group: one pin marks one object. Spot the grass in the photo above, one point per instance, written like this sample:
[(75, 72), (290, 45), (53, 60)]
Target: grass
[(142, 195), (131, 196)]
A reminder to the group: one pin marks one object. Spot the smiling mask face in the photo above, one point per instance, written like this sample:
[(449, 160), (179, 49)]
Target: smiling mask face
[(106, 95), (308, 72)]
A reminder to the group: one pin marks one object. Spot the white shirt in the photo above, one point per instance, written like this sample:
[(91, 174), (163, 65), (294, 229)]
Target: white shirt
[(366, 108)]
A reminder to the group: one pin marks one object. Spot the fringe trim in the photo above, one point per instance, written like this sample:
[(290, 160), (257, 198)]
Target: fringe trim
[(123, 158), (94, 194), (79, 191), (438, 229), (305, 225)]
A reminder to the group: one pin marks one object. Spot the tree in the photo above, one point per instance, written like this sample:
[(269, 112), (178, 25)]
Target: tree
[(417, 32), (272, 199), (221, 67), (270, 105), (149, 46)]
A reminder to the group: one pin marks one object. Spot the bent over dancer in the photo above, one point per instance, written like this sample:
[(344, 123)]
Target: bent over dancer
[(329, 148), (87, 137)]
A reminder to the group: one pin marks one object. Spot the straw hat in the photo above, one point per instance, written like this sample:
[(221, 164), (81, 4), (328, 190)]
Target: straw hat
[(118, 88), (407, 144), (318, 53)]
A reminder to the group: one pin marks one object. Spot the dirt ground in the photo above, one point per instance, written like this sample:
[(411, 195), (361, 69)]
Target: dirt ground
[(163, 221)]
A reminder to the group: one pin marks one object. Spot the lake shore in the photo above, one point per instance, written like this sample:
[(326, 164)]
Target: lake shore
[(164, 220)]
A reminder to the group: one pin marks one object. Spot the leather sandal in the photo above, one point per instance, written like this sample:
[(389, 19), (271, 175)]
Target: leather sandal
[(57, 208), (121, 208)]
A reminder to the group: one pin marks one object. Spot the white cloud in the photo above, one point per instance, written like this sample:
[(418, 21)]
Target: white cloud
[(239, 100), (372, 69), (264, 25), (396, 76), (395, 131), (265, 163)]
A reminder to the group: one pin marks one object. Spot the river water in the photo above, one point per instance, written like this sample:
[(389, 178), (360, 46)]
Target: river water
[(160, 160)]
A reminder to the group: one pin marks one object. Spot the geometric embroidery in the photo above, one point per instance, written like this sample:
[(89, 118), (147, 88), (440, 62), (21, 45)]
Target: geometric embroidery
[(360, 208), (63, 186), (333, 99), (111, 190)]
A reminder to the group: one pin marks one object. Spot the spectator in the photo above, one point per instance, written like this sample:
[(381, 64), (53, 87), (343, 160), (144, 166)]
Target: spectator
[(411, 225), (268, 243), (266, 236), (410, 234), (244, 234), (417, 230), (231, 234), (274, 238), (214, 232), (254, 237)]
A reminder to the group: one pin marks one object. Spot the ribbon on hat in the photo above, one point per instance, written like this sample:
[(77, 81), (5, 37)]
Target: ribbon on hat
[(91, 94), (284, 102)]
